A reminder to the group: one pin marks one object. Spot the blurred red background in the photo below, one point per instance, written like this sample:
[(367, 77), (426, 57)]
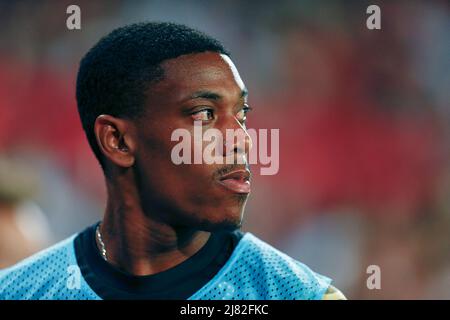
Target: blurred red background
[(363, 118)]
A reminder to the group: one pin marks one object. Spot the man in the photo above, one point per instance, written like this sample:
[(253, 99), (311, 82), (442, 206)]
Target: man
[(169, 231)]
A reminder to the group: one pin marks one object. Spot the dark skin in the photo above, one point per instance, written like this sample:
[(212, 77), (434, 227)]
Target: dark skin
[(159, 214)]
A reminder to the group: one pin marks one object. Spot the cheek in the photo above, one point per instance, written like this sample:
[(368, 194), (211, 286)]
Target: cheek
[(182, 185), (188, 187)]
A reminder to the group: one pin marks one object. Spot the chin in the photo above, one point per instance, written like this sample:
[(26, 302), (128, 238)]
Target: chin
[(223, 226), (227, 222)]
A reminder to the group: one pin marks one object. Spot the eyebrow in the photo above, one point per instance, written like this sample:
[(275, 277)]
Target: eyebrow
[(213, 95)]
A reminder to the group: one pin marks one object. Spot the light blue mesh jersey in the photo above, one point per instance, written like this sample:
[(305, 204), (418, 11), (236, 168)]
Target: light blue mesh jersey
[(255, 270)]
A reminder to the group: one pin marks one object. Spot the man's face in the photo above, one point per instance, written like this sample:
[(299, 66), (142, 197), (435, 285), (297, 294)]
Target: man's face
[(202, 87)]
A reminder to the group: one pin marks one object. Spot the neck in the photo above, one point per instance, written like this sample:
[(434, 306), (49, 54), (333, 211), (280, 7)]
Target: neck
[(140, 245)]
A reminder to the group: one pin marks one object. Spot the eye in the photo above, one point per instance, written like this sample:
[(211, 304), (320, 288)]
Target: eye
[(242, 114), (203, 115)]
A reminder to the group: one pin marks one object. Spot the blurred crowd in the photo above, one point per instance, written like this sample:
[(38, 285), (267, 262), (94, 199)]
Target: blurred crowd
[(364, 119)]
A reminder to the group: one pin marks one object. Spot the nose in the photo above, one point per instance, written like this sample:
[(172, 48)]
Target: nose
[(237, 140)]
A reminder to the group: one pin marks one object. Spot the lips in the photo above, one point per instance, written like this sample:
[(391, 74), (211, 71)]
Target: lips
[(237, 181)]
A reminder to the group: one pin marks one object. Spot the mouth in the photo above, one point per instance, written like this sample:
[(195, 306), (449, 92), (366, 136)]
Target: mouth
[(237, 181)]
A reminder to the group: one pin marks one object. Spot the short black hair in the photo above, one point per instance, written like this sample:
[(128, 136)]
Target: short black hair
[(114, 74)]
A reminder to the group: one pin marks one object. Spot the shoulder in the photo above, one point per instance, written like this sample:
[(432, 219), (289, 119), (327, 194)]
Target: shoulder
[(291, 268), (273, 259), (333, 293), (46, 268), (258, 271)]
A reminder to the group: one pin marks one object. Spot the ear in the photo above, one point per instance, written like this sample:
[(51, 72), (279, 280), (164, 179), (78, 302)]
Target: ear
[(116, 140)]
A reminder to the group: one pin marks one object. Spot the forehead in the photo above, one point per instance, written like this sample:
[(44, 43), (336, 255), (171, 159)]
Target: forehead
[(199, 71)]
